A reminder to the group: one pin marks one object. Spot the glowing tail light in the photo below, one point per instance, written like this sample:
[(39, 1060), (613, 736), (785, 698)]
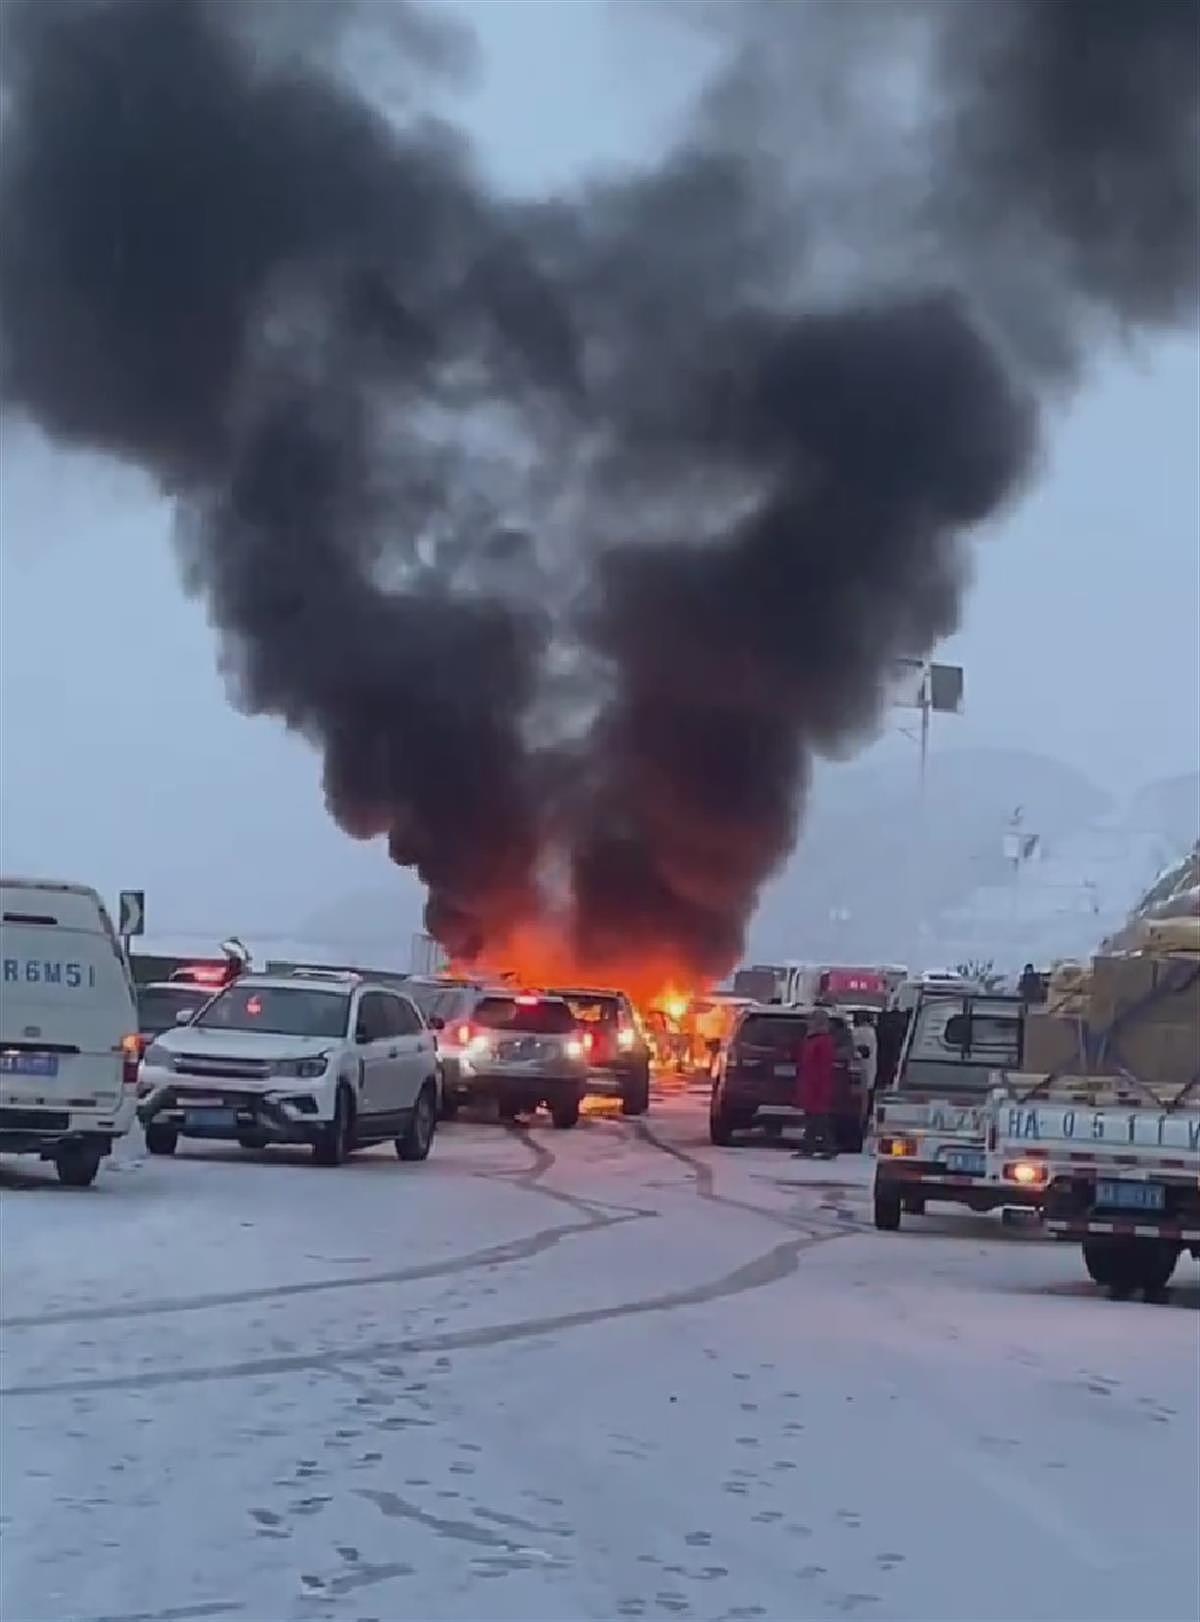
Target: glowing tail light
[(587, 1041), (131, 1058), (463, 1035), (625, 1038)]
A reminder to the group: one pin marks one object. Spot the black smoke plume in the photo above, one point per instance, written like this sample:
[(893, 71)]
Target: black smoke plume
[(570, 529)]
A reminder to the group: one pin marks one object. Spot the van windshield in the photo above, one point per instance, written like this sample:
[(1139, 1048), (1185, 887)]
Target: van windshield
[(278, 1010)]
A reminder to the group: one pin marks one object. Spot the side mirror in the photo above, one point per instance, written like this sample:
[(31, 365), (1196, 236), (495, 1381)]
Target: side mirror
[(958, 1031), (436, 1022), (184, 1016), (361, 1033)]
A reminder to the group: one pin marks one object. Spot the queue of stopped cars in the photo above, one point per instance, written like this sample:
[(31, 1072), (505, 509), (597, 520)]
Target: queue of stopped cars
[(329, 1060)]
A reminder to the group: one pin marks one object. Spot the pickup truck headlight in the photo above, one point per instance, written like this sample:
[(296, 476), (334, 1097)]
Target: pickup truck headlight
[(301, 1069), (159, 1057)]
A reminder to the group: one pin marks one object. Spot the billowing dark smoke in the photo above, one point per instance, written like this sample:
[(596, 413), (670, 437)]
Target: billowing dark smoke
[(570, 531)]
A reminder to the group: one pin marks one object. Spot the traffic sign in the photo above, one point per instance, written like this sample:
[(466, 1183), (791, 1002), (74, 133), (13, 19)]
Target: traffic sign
[(132, 910)]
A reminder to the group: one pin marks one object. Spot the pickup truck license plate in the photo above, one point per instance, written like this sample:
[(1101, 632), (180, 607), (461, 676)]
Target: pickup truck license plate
[(29, 1064), (1131, 1196), (210, 1120), (967, 1162), (785, 1070)]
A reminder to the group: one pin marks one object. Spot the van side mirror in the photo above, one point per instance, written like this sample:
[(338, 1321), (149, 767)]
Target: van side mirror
[(436, 1022), (184, 1016), (958, 1031), (361, 1034)]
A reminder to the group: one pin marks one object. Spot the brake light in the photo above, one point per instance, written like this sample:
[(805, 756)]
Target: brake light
[(1026, 1173), (588, 1041), (527, 1000), (625, 1037), (132, 1048), (575, 1048), (463, 1035), (203, 974)]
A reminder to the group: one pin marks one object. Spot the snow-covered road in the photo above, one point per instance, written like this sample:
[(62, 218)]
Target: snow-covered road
[(605, 1373)]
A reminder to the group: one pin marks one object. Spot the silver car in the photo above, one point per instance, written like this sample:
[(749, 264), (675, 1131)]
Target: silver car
[(520, 1049)]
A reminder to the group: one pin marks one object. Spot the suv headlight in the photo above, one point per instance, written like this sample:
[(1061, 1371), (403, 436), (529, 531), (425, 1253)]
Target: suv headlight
[(301, 1069), (159, 1056)]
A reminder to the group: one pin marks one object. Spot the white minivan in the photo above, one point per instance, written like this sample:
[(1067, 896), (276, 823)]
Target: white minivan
[(68, 1028)]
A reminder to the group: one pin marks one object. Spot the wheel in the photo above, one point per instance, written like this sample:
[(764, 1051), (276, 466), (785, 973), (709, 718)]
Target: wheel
[(887, 1209), (418, 1139), (449, 1107), (773, 1130), (509, 1108), (336, 1139), (914, 1204), (635, 1095), (161, 1140), (564, 1112), (251, 1140), (720, 1125), (1124, 1265), (77, 1165)]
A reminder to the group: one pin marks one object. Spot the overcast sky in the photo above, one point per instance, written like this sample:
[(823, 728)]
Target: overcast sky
[(122, 762)]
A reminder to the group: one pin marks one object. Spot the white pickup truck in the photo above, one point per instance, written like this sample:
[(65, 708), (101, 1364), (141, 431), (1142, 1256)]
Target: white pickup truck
[(930, 1130), (1113, 1166)]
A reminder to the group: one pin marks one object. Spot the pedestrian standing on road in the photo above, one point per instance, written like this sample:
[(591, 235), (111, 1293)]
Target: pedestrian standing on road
[(866, 1049), (817, 1084)]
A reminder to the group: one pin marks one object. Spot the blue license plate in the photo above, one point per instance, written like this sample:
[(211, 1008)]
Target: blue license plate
[(968, 1162), (29, 1064), (211, 1120), (1131, 1196)]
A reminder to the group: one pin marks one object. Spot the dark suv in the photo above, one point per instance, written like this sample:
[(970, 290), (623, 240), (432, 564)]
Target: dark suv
[(618, 1055), (757, 1074)]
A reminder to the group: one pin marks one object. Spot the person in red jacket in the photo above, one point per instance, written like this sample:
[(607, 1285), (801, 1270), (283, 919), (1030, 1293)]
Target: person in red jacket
[(817, 1086)]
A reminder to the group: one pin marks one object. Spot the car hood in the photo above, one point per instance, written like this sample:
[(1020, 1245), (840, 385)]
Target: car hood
[(217, 1044)]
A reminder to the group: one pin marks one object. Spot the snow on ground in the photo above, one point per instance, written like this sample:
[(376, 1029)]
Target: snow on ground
[(607, 1373)]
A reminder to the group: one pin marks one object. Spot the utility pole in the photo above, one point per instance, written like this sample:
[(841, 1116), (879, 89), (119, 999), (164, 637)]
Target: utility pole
[(925, 687)]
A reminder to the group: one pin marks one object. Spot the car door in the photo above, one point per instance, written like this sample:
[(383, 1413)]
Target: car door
[(414, 1050), (372, 1043)]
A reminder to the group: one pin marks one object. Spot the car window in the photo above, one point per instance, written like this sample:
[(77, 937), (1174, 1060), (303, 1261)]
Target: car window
[(773, 1031), (593, 1010), (160, 1006), (544, 1016), (372, 1024), (403, 1016), (426, 994)]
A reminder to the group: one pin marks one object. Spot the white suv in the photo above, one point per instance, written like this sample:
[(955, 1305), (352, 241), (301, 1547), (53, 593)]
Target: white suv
[(326, 1059)]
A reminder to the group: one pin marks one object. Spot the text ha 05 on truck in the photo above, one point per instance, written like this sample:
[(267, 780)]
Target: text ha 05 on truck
[(930, 1130), (68, 1028)]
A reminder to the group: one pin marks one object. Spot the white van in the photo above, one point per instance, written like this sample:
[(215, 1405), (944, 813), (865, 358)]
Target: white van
[(68, 1028)]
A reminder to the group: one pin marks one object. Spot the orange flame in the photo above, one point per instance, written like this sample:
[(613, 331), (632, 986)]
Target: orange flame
[(536, 956)]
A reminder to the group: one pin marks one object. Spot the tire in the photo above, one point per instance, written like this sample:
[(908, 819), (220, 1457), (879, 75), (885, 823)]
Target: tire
[(1124, 1266), (251, 1141), (914, 1204), (720, 1125), (161, 1140), (635, 1095), (77, 1165), (449, 1107), (509, 1108), (564, 1112), (336, 1139), (888, 1208), (417, 1140)]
